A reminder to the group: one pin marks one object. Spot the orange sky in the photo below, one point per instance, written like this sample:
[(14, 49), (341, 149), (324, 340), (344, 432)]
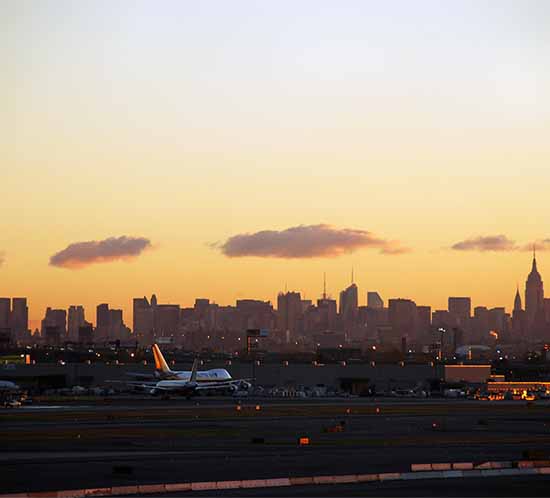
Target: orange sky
[(187, 125)]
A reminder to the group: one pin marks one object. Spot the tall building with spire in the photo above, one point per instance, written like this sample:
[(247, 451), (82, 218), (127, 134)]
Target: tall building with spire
[(534, 298), (519, 324)]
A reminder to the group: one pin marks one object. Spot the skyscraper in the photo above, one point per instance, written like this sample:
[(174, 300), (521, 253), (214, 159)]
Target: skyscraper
[(289, 311), (534, 298), (374, 300), (75, 321), (348, 305), (518, 317), (19, 316), (5, 310)]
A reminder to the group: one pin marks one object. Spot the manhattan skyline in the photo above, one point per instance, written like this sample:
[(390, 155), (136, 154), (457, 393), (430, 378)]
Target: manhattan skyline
[(416, 133)]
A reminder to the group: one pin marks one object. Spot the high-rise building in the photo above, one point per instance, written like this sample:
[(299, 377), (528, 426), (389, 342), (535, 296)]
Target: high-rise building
[(75, 321), (102, 315), (289, 311), (374, 300), (519, 322), (19, 316), (143, 318), (348, 306), (403, 318), (5, 312), (534, 299), (55, 320), (460, 310)]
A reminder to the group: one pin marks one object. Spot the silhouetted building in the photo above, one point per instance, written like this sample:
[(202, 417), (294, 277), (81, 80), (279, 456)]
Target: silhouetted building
[(143, 319), (86, 333), (519, 318), (534, 301), (5, 311), (289, 313), (55, 319), (20, 318), (460, 310), (75, 321), (402, 317), (374, 300), (349, 301)]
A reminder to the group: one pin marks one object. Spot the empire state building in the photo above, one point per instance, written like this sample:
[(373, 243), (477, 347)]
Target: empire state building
[(534, 296)]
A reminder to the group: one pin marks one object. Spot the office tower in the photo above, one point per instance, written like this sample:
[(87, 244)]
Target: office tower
[(102, 315), (403, 318), (167, 320), (519, 319), (75, 321), (289, 311), (460, 310), (5, 311), (348, 306), (374, 300), (19, 316), (143, 318), (86, 333), (255, 314), (534, 299), (423, 323), (326, 308), (55, 320)]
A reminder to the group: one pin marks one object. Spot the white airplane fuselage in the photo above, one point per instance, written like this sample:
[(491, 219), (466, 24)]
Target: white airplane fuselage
[(213, 375)]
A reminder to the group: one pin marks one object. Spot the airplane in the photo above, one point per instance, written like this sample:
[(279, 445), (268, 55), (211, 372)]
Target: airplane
[(189, 383)]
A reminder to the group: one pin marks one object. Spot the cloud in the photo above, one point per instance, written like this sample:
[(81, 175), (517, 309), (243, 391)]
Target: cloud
[(540, 245), (305, 241), (486, 243), (81, 254)]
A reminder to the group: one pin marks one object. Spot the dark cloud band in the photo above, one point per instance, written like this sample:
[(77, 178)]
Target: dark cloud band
[(305, 241), (82, 254)]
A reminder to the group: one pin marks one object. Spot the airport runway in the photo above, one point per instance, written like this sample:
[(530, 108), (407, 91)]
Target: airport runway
[(129, 441)]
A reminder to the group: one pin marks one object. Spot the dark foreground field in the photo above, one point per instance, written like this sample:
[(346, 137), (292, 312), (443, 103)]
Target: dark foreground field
[(93, 444)]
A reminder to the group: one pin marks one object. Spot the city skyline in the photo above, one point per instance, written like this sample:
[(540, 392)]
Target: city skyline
[(361, 299)]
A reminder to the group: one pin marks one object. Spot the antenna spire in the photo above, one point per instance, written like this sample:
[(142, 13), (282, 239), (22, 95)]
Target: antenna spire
[(324, 285), (352, 277)]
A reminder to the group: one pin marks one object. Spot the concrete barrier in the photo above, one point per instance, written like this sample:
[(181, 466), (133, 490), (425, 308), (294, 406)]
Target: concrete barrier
[(390, 476), (301, 481), (151, 488), (323, 480), (256, 483), (367, 477), (421, 467), (71, 493), (272, 483), (204, 486), (346, 479), (124, 490), (97, 492), (441, 466), (452, 471), (229, 484), (177, 487)]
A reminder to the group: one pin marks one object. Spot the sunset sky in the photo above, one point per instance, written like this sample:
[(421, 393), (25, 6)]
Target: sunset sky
[(381, 134)]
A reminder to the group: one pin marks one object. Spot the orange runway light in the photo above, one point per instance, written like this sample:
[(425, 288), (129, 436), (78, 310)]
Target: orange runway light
[(304, 441), (377, 410), (238, 408), (258, 408)]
